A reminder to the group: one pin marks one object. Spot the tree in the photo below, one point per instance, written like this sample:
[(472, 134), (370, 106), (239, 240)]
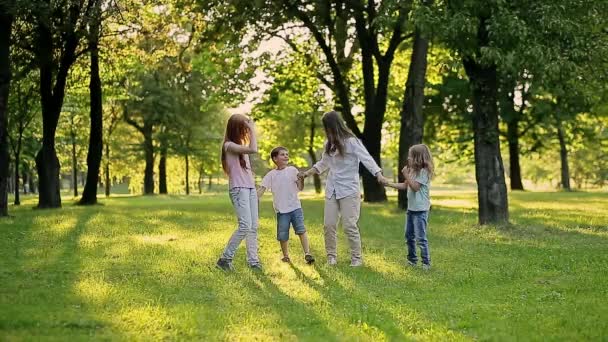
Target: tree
[(89, 194), (377, 27), (292, 106), (21, 114), (6, 23), (412, 117), (57, 38)]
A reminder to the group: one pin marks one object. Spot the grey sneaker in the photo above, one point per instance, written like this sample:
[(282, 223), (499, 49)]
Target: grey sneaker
[(426, 267), (332, 261), (224, 265), (356, 263), (410, 264)]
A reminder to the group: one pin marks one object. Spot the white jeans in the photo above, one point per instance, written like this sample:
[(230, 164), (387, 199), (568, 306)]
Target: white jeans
[(349, 209), (245, 202)]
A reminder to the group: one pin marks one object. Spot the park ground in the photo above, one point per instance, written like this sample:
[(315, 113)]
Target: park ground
[(142, 268)]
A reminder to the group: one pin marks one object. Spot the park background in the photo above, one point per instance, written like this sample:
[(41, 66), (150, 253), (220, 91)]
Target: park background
[(112, 115)]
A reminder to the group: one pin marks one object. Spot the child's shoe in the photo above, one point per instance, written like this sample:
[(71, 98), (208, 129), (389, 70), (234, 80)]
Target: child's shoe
[(224, 265), (309, 259), (256, 267), (332, 261), (356, 263), (286, 259), (426, 267), (410, 264)]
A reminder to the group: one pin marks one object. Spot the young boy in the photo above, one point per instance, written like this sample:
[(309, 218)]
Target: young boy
[(284, 184)]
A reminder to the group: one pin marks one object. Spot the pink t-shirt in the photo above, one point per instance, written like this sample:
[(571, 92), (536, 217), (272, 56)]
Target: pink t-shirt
[(237, 176), (284, 188)]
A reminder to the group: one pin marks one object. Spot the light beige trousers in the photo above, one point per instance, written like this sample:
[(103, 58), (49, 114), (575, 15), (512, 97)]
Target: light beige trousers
[(349, 209)]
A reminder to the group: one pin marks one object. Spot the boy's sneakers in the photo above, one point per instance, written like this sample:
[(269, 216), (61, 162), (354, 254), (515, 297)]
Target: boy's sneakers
[(224, 265), (309, 259), (426, 267), (332, 261), (410, 264), (286, 259)]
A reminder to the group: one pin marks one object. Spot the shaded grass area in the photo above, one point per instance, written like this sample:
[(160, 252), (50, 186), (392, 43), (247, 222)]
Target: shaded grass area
[(141, 268)]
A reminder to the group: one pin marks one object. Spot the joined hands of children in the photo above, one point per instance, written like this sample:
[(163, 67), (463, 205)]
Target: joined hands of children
[(381, 179)]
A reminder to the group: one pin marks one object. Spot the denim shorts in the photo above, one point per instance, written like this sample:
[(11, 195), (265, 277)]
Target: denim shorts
[(295, 218)]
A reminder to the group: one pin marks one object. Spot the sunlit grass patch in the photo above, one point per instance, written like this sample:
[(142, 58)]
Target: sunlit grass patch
[(142, 268)]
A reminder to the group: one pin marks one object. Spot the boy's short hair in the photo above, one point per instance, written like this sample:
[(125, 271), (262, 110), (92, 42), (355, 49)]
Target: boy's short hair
[(275, 151)]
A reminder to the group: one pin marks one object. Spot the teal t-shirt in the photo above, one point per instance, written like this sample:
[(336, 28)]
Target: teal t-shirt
[(420, 200)]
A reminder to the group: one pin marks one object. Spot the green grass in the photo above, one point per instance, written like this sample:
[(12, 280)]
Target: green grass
[(139, 268)]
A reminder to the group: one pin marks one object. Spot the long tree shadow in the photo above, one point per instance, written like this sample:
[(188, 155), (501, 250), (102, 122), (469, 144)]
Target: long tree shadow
[(44, 275)]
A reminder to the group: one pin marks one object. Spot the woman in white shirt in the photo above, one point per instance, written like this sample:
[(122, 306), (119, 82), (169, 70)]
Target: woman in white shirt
[(341, 156)]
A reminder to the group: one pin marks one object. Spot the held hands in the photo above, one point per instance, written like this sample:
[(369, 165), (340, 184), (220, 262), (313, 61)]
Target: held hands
[(302, 175), (382, 180)]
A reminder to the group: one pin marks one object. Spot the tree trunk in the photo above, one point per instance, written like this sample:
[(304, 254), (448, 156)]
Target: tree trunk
[(17, 199), (33, 188), (107, 169), (74, 165), (311, 152), (162, 169), (149, 151), (24, 174), (89, 194), (6, 25), (412, 116), (514, 165), (209, 183), (187, 175), (53, 78), (489, 169), (563, 154)]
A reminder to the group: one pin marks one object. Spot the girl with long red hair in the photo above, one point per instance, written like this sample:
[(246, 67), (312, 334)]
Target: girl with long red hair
[(239, 142)]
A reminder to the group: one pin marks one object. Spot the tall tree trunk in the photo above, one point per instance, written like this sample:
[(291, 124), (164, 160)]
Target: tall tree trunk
[(489, 169), (24, 174), (187, 175), (107, 169), (514, 165), (412, 116), (209, 183), (74, 165), (89, 194), (33, 188), (311, 152), (149, 152), (17, 199), (6, 25), (563, 154), (162, 169), (53, 79)]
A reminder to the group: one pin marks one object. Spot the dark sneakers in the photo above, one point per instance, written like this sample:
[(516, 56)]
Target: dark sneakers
[(309, 259), (256, 267), (224, 265), (286, 259)]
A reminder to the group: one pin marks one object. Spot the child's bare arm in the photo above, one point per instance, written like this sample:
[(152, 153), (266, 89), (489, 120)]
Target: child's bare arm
[(398, 186), (261, 191)]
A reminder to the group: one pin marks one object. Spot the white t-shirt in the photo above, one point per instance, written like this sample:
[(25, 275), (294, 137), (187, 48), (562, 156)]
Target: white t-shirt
[(284, 188)]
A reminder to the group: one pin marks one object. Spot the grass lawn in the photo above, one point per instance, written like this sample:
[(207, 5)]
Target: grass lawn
[(142, 268)]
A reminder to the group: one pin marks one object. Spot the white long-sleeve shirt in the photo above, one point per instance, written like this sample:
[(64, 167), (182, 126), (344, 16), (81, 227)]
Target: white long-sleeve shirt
[(343, 178)]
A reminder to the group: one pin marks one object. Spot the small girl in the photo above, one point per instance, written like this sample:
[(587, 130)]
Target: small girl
[(418, 174), (239, 143)]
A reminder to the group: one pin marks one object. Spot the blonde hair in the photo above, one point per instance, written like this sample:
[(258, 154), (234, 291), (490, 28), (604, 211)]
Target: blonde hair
[(419, 157)]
